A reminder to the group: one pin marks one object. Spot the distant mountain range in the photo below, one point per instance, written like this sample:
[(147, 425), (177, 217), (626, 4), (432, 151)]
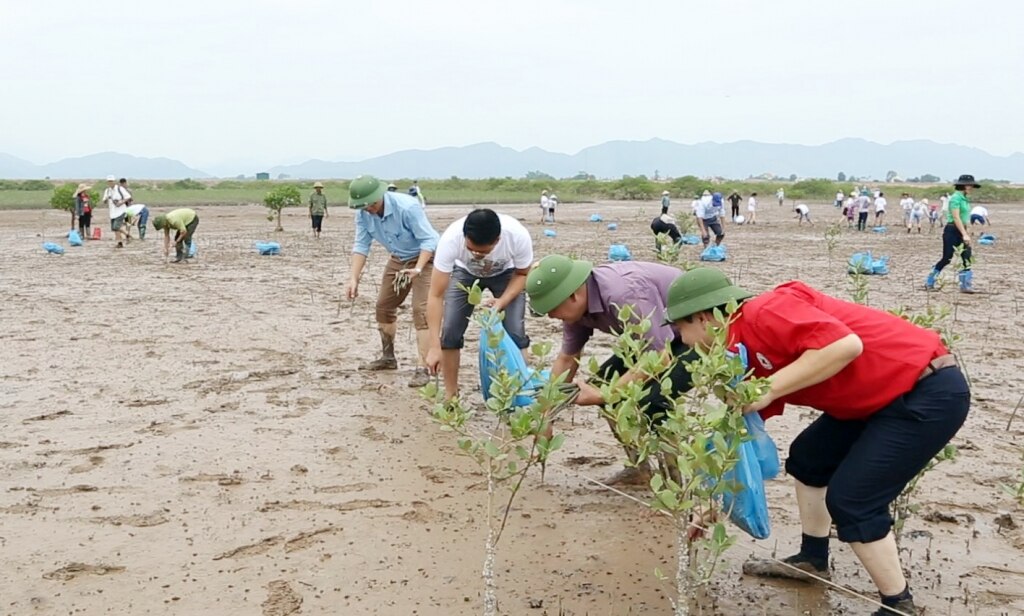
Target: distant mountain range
[(613, 159)]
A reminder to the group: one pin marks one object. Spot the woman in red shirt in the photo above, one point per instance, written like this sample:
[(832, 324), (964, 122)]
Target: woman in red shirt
[(891, 398)]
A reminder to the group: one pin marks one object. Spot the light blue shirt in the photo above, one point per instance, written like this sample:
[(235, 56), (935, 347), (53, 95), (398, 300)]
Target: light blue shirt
[(403, 229)]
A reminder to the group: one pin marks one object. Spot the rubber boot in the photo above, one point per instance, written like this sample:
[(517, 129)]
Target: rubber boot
[(929, 283), (967, 281), (387, 359)]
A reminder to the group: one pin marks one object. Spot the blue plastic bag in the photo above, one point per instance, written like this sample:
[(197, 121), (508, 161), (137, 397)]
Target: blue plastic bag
[(192, 249), (54, 249), (987, 239), (748, 507), (879, 229), (691, 240), (74, 238), (767, 452), (550, 233), (880, 266), (596, 218), (268, 248), (619, 252), (612, 226), (865, 263), (506, 356), (713, 253)]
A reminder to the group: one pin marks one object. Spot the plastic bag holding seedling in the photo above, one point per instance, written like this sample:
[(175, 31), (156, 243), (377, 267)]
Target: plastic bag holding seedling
[(619, 252), (865, 263), (550, 233), (506, 356), (880, 266), (74, 238), (268, 248), (767, 452), (690, 240), (596, 218), (987, 239), (713, 253), (193, 249), (54, 249)]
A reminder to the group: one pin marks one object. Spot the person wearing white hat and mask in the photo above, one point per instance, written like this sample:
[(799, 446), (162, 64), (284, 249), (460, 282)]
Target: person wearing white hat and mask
[(666, 201)]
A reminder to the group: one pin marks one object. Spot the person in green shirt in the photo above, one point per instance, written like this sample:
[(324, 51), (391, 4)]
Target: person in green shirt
[(184, 221), (955, 234), (317, 208)]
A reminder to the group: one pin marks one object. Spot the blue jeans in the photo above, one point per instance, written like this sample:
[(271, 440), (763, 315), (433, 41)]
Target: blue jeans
[(143, 219), (457, 308)]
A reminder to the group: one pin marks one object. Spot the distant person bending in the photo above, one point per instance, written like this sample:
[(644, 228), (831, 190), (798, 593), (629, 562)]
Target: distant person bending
[(184, 222), (709, 218), (918, 211), (317, 208), (979, 215), (136, 214), (803, 213), (666, 224)]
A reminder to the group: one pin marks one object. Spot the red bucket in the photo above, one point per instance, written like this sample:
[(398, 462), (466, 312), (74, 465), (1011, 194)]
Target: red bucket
[(96, 233)]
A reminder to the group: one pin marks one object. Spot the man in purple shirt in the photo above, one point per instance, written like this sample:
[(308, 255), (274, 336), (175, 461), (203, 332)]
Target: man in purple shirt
[(588, 298)]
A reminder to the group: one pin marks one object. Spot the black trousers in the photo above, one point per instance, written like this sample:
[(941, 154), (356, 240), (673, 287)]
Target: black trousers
[(655, 405), (862, 221), (951, 238), (866, 464), (182, 241), (660, 226)]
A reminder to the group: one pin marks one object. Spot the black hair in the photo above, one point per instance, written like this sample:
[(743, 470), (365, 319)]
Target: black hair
[(724, 308), (482, 227), (753, 194), (122, 181)]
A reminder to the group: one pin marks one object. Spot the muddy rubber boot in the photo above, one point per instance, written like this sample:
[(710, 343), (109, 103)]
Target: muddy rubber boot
[(799, 566), (929, 282), (905, 607), (387, 359), (419, 378)]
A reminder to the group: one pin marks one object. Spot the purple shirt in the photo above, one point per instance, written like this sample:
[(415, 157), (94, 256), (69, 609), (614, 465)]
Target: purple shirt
[(611, 286)]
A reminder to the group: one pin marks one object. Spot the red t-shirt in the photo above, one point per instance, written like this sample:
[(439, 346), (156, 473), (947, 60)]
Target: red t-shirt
[(777, 327)]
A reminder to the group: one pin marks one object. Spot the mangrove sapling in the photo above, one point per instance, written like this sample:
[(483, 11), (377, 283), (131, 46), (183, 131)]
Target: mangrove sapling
[(859, 287), (696, 445), (1017, 490), (520, 439)]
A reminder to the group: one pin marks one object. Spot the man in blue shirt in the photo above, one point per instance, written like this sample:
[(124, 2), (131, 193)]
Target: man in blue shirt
[(399, 223)]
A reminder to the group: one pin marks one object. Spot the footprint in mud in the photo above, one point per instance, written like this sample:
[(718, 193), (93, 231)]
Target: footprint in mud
[(424, 513), (304, 505), (10, 445), (372, 433), (164, 428), (281, 599), (137, 520), (352, 487), (88, 465), (435, 475), (589, 461), (309, 538), (47, 416), (74, 570), (135, 404), (223, 407), (254, 549), (221, 479)]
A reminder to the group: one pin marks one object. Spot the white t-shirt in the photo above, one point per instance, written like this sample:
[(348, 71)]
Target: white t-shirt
[(907, 203), (544, 202), (114, 197), (134, 209), (945, 203), (863, 203), (780, 194), (880, 204), (752, 204), (979, 211), (918, 209), (695, 206), (513, 250), (839, 197), (802, 209)]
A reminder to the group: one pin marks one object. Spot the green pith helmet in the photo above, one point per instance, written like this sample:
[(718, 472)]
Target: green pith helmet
[(365, 190), (553, 280), (700, 289), (160, 222)]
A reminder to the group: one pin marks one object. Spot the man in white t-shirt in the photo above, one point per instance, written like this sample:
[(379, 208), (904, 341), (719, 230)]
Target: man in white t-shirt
[(116, 199), (493, 249), (918, 212), (880, 204), (839, 199), (752, 209), (545, 203), (979, 215), (803, 213), (906, 204)]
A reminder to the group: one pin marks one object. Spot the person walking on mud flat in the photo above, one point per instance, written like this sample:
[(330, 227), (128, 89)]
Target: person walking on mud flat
[(317, 208), (586, 298), (666, 201), (874, 435), (82, 211), (184, 222), (398, 222), (955, 235), (494, 250), (116, 199)]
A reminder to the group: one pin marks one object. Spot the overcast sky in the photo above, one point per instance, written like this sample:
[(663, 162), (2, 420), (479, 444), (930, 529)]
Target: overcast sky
[(261, 81)]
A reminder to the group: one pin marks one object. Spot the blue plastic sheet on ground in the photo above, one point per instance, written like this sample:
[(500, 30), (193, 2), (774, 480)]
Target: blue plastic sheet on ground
[(506, 356), (268, 248), (865, 263), (52, 248), (596, 218), (987, 239), (691, 240), (879, 229), (619, 252), (550, 233), (713, 253), (612, 226), (74, 238)]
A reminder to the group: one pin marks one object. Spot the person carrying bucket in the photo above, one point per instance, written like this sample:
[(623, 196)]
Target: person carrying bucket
[(184, 222), (493, 250), (873, 436), (398, 222), (955, 234), (586, 298)]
